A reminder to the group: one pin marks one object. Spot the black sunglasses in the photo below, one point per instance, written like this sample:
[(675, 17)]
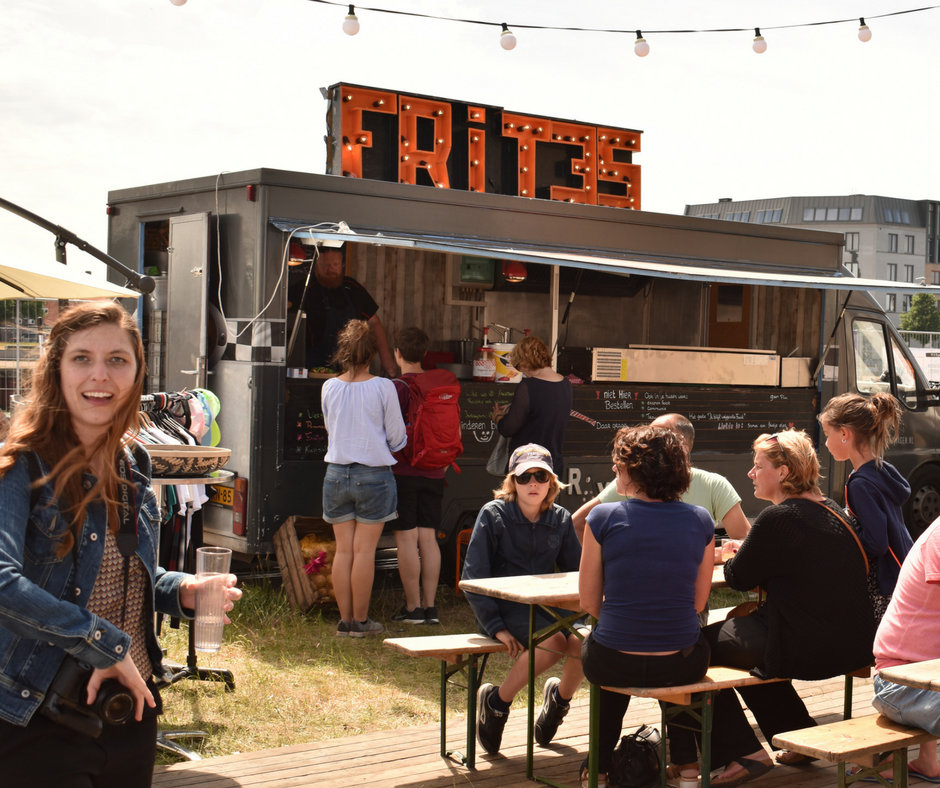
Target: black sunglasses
[(541, 476), (776, 439)]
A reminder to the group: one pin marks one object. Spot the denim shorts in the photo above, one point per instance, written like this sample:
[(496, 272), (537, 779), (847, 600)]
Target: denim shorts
[(359, 492), (919, 708)]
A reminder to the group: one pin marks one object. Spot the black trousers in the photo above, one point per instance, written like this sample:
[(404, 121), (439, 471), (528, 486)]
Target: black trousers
[(741, 643), (605, 666), (44, 754)]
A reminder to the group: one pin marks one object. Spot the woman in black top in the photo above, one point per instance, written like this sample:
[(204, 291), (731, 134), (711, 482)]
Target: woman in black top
[(817, 621), (540, 407)]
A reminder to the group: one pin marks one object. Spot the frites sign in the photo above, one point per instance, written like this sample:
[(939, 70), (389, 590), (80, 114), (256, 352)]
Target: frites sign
[(389, 136)]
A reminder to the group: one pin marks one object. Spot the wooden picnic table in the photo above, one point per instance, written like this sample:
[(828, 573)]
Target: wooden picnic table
[(559, 590), (919, 675)]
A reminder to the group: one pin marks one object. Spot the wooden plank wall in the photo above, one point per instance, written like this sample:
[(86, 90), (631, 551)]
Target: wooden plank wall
[(408, 286), (786, 320)]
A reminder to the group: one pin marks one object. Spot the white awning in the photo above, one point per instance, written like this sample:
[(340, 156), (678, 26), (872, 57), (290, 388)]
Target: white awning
[(704, 270)]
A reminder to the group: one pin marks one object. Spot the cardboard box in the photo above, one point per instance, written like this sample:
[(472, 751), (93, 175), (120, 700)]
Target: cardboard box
[(710, 367), (796, 373)]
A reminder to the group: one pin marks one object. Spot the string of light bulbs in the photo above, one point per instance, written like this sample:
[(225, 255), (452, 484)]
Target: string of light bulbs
[(508, 40)]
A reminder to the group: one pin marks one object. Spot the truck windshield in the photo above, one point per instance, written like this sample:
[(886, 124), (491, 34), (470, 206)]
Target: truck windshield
[(873, 369)]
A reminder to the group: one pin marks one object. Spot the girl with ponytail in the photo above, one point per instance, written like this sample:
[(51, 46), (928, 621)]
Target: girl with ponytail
[(364, 425), (860, 429)]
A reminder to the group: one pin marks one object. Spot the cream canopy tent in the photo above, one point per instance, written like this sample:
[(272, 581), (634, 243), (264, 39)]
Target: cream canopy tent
[(53, 280)]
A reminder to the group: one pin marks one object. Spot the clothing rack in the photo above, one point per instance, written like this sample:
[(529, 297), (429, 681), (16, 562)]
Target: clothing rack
[(174, 407)]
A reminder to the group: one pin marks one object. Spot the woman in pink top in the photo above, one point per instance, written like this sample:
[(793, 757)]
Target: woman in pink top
[(910, 632)]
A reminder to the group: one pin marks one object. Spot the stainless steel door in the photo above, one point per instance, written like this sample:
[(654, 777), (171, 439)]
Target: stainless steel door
[(186, 302)]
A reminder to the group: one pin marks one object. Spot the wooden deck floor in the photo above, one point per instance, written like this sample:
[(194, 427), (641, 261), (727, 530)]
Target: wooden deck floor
[(410, 757)]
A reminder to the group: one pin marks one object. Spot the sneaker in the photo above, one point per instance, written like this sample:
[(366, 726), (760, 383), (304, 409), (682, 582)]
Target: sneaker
[(490, 723), (430, 615), (359, 629), (415, 616), (342, 629), (553, 713)]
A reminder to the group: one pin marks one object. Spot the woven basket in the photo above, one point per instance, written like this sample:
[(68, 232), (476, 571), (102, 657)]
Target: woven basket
[(189, 461)]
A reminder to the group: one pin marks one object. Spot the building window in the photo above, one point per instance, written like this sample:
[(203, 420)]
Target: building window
[(890, 302), (906, 303), (767, 217), (892, 242), (852, 267), (893, 272), (742, 216), (851, 242), (908, 273), (935, 278), (711, 216), (836, 215), (896, 216), (909, 244)]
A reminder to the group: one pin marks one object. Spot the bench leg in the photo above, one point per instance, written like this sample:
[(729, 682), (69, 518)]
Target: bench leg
[(474, 668), (847, 708), (701, 710), (898, 764)]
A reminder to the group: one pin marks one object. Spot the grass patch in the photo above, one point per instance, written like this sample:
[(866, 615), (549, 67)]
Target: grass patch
[(296, 682)]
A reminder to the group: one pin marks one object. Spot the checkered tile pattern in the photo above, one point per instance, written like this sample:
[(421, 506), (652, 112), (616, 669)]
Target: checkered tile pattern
[(264, 341)]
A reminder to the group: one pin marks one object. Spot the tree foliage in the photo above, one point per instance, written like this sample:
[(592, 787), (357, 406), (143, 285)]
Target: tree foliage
[(923, 315)]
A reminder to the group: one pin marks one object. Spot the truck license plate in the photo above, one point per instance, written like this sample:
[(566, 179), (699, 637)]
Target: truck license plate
[(223, 496)]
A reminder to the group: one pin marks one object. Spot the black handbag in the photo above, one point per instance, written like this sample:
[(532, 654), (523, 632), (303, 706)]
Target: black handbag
[(635, 763)]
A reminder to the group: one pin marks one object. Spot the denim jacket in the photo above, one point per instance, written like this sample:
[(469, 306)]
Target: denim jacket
[(43, 598), (504, 544)]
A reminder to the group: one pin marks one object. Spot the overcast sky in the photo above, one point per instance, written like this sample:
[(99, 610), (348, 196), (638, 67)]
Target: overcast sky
[(97, 95)]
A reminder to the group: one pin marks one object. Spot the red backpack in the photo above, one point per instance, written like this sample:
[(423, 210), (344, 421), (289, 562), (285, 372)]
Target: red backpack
[(433, 420)]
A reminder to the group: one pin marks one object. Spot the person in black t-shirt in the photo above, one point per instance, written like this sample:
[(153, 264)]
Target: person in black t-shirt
[(332, 301)]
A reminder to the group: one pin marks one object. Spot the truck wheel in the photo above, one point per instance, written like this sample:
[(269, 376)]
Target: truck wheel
[(923, 507)]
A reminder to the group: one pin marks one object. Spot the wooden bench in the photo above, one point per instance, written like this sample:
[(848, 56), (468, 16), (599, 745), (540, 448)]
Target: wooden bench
[(860, 741), (457, 654), (700, 708)]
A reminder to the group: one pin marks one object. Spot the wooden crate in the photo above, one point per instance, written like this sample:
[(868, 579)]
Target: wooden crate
[(300, 594)]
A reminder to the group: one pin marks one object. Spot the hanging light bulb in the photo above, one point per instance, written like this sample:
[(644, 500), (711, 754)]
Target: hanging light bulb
[(864, 32), (759, 45), (640, 46), (178, 2), (351, 22), (507, 40)]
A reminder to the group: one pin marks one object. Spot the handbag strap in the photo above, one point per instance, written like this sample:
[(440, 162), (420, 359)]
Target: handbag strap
[(850, 529)]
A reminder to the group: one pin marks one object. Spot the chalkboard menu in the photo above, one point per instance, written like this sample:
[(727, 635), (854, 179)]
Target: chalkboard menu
[(725, 419), (305, 435)]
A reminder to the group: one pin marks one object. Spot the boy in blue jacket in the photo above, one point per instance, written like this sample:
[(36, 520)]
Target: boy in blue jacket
[(523, 532)]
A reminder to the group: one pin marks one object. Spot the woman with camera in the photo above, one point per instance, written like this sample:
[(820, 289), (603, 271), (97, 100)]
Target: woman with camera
[(79, 581)]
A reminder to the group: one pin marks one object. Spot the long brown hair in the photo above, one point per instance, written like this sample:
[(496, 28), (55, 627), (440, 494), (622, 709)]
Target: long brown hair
[(874, 422), (43, 423)]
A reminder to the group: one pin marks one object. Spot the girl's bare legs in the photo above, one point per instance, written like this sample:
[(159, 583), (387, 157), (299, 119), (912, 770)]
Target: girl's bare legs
[(365, 540)]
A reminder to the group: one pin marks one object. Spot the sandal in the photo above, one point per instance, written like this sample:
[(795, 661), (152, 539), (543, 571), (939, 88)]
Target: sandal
[(788, 758), (602, 779), (752, 769)]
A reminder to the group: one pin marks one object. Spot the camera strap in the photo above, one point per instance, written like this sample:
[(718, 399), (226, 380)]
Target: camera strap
[(127, 537)]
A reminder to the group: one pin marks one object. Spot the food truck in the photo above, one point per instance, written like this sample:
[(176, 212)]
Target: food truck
[(743, 328)]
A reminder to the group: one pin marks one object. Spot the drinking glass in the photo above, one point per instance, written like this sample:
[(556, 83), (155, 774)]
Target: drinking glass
[(211, 562)]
